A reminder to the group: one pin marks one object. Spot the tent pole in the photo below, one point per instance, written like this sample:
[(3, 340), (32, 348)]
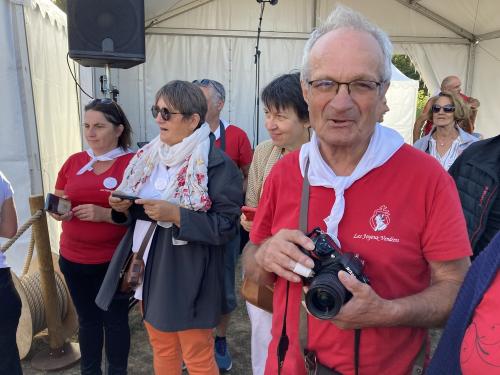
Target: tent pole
[(471, 62), (26, 98)]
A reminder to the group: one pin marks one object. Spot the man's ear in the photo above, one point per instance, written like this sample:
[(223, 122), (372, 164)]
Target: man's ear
[(220, 105)]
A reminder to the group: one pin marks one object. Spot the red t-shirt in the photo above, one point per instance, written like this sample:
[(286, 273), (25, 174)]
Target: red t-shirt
[(237, 146), (420, 209), (88, 242), (480, 352)]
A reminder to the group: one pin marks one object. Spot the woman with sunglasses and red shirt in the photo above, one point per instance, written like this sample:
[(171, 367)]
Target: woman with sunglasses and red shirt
[(447, 139), (89, 236)]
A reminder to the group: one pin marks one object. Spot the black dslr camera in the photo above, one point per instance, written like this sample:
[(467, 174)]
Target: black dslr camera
[(326, 294)]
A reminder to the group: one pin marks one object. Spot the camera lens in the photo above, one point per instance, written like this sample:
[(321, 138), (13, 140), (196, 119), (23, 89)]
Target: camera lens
[(326, 296)]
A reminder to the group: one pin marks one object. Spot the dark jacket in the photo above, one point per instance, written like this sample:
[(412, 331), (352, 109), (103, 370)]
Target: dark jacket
[(476, 173), (446, 359), (184, 284)]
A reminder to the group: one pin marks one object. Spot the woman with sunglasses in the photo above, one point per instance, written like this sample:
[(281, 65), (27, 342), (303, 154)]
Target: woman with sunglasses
[(89, 236), (447, 139), (193, 191)]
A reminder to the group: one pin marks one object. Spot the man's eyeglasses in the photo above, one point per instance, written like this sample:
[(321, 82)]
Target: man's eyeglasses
[(447, 108), (165, 113), (358, 88)]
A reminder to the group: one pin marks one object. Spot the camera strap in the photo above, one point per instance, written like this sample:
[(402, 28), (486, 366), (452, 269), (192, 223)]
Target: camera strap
[(310, 360)]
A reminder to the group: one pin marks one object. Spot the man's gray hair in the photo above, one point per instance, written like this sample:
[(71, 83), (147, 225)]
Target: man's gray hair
[(346, 18)]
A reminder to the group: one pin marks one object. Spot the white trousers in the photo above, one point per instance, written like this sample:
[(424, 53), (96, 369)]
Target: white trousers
[(261, 322)]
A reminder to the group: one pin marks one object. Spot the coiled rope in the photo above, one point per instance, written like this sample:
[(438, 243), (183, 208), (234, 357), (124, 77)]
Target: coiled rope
[(32, 288)]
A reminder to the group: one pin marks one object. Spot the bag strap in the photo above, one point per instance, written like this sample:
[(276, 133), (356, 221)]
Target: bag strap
[(145, 240), (418, 365), (222, 136)]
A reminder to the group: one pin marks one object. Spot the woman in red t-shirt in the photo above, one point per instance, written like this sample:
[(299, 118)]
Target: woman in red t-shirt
[(89, 237)]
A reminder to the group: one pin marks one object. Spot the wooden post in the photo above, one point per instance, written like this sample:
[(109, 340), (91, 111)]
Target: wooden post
[(47, 277)]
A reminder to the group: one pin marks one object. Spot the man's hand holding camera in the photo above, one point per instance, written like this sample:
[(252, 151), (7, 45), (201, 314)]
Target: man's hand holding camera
[(280, 254), (365, 309)]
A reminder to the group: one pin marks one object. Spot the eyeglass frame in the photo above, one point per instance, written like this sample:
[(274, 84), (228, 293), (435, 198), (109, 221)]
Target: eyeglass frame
[(164, 113), (348, 84), (205, 82), (447, 108)]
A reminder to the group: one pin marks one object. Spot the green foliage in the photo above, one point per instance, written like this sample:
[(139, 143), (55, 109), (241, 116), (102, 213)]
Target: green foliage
[(422, 98), (404, 64)]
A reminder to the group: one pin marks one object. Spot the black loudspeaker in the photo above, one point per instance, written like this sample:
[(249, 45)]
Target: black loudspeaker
[(106, 32)]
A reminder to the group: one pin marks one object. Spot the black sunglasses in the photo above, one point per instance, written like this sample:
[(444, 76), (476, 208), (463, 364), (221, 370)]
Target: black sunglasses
[(208, 82), (165, 113), (116, 113), (447, 108)]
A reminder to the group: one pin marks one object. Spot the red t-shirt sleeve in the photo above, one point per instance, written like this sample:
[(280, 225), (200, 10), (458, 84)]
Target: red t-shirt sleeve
[(62, 176), (445, 234), (245, 150)]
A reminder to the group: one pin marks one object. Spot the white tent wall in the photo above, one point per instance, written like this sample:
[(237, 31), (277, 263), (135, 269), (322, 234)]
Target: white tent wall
[(13, 154), (41, 121), (55, 97), (205, 52)]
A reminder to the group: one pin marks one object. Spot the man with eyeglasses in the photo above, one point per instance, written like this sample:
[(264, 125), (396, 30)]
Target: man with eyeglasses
[(453, 84), (234, 142), (375, 196)]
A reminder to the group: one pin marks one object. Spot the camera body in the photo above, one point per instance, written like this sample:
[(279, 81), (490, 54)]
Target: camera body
[(326, 294)]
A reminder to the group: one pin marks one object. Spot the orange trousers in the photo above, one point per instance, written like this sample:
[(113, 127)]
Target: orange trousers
[(194, 346)]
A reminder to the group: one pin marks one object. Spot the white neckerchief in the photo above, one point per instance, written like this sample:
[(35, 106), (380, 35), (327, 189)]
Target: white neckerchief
[(110, 155), (383, 144)]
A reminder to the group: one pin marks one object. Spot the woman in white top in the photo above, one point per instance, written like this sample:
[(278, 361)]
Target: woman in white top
[(9, 298), (447, 139)]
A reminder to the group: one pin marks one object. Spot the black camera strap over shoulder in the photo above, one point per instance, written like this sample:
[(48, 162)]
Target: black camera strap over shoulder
[(313, 367)]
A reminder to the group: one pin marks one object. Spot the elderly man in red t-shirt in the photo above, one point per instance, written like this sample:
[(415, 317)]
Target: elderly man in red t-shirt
[(374, 196), (234, 142), (452, 84)]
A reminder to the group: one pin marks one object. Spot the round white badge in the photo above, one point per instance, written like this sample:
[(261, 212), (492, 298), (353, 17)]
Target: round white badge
[(110, 182), (160, 184)]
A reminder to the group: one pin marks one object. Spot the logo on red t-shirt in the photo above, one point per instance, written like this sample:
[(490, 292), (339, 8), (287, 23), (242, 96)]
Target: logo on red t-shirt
[(380, 219)]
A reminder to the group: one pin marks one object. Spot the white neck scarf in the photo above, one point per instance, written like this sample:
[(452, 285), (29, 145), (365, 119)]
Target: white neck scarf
[(383, 144), (110, 155), (189, 188)]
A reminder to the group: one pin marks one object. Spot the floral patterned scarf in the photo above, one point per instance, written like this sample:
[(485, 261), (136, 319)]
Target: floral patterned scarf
[(189, 188)]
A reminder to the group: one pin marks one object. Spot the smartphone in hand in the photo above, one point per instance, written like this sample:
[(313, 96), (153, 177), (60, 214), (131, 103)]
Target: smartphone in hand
[(57, 205), (249, 212), (119, 194)]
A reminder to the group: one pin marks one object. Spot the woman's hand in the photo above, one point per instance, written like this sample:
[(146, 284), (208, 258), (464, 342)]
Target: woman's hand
[(65, 217), (160, 210), (247, 225), (120, 205), (91, 212)]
